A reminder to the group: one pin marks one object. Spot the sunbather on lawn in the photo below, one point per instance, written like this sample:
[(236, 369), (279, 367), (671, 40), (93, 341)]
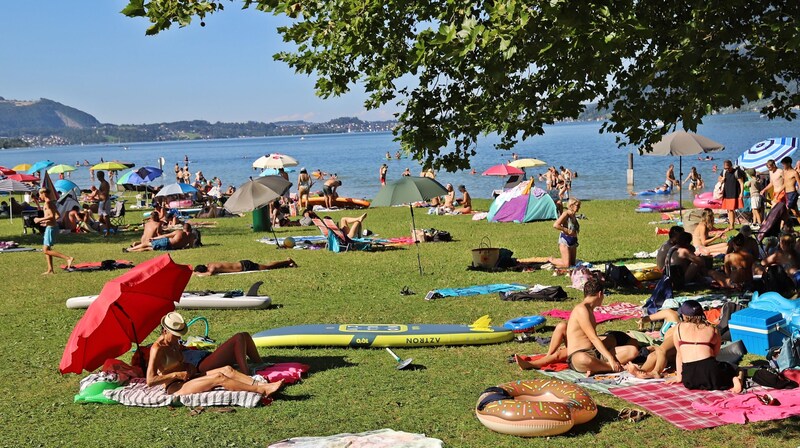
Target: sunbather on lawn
[(181, 374), (178, 239), (587, 352), (240, 266), (351, 226)]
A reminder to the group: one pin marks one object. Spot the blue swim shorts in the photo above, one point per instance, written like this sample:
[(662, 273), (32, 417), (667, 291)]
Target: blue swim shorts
[(161, 244), (49, 239)]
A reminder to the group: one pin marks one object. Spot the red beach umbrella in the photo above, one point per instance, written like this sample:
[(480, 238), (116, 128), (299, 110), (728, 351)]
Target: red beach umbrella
[(6, 171), (19, 177), (127, 310), (503, 170)]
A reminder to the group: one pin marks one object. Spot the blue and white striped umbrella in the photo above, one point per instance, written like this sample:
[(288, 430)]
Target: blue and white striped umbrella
[(773, 148)]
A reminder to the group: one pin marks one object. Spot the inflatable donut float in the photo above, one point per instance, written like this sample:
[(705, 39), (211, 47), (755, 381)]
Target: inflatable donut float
[(531, 408), (706, 200), (524, 324)]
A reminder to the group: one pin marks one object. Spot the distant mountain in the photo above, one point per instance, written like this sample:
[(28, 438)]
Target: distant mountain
[(20, 117)]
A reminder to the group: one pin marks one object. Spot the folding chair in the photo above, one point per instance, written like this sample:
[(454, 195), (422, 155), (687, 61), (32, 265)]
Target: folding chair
[(117, 216), (338, 241)]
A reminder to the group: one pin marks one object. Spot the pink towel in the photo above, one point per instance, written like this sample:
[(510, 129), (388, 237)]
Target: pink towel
[(748, 408), (624, 310), (289, 372), (564, 314)]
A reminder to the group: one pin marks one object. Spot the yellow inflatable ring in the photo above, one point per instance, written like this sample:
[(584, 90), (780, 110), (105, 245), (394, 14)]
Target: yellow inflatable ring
[(535, 407)]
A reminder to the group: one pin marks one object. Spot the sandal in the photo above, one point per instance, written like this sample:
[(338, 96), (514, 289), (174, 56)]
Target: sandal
[(406, 292), (632, 415)]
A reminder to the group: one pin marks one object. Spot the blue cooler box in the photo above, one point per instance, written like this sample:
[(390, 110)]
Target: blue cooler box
[(757, 329)]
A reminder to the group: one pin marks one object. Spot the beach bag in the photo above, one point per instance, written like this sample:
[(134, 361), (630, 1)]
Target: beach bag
[(661, 292), (619, 276), (789, 356), (725, 315), (719, 189), (440, 235), (198, 241)]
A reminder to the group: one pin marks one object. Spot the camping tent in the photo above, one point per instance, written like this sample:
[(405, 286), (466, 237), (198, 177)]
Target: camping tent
[(523, 203)]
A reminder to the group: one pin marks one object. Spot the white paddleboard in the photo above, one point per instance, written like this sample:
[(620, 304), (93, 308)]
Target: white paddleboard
[(193, 301)]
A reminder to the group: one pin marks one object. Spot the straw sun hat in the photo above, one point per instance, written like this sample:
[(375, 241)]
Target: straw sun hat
[(174, 323)]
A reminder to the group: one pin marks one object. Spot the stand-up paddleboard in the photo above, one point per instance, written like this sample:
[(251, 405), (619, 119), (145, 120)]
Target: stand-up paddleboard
[(202, 300), (383, 335)]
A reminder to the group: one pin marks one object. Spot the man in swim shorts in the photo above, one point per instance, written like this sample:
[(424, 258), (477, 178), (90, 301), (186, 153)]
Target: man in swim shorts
[(587, 352), (775, 182), (240, 266), (790, 181), (179, 239), (104, 204)]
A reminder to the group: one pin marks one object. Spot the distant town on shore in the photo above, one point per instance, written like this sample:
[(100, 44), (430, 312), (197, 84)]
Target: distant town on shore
[(43, 122)]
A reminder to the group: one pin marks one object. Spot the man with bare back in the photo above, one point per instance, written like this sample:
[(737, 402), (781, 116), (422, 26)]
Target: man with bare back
[(587, 352), (790, 181), (49, 221)]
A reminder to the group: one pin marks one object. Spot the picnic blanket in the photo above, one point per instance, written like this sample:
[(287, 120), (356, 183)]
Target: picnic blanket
[(603, 383), (475, 290), (748, 408), (624, 310), (381, 438), (675, 403)]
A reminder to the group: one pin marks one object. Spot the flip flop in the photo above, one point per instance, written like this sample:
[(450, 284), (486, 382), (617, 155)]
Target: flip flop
[(632, 415)]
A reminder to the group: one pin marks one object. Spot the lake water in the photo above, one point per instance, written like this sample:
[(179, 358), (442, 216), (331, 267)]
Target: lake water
[(356, 157)]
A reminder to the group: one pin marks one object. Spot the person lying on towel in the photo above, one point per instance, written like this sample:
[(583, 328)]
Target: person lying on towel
[(185, 372), (240, 266), (178, 239)]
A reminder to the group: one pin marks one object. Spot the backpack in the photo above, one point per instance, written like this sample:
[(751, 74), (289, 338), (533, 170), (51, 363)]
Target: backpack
[(661, 292), (198, 241), (441, 235), (725, 315), (776, 279), (789, 356), (579, 277), (620, 276)]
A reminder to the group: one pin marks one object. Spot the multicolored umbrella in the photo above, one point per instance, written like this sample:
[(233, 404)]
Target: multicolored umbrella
[(274, 161), (503, 170), (127, 310), (770, 149), (40, 165), (60, 169), (110, 166)]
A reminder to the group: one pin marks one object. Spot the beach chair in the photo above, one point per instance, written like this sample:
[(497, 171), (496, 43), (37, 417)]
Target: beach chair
[(117, 216), (321, 226), (338, 241)]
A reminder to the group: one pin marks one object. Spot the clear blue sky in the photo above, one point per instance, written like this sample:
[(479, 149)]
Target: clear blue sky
[(87, 55)]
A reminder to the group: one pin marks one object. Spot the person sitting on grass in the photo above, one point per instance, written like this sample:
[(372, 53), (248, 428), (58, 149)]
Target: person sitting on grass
[(660, 355), (698, 345), (587, 352), (152, 228), (569, 226), (185, 372), (179, 239), (786, 256), (240, 266), (705, 235), (465, 203)]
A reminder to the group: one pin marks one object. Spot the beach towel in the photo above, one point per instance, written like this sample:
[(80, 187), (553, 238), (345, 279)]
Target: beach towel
[(564, 314), (552, 367), (623, 310), (18, 249), (475, 290), (748, 408), (289, 372), (674, 403), (381, 438), (138, 393)]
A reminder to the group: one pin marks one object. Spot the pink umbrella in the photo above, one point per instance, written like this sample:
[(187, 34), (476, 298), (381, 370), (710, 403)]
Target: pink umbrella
[(6, 171), (503, 170), (23, 177)]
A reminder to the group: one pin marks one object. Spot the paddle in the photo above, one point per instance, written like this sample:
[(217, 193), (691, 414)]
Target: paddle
[(401, 363)]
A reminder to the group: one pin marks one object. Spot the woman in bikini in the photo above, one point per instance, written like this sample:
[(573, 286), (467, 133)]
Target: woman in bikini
[(698, 344), (694, 179), (184, 371), (303, 187), (569, 226), (702, 237)]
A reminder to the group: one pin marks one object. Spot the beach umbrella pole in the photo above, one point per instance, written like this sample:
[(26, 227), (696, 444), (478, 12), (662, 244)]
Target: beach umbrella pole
[(680, 185), (416, 241)]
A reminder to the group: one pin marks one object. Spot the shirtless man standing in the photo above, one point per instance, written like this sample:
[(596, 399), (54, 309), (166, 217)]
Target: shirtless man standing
[(178, 239), (775, 181), (240, 266), (790, 181), (671, 180), (382, 174), (586, 349), (49, 221), (104, 203)]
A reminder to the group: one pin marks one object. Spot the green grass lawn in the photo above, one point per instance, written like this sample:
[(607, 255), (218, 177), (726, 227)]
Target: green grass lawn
[(348, 390)]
